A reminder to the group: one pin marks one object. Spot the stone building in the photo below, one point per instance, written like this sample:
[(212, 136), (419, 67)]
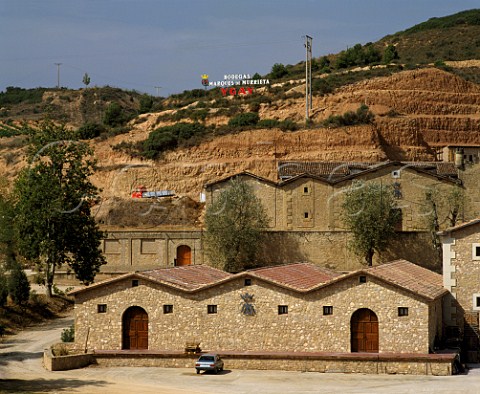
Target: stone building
[(461, 276), (392, 308), (305, 209)]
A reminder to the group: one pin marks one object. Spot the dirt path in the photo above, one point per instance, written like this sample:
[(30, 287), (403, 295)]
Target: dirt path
[(21, 371)]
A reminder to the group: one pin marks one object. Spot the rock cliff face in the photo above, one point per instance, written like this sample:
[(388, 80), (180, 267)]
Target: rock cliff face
[(416, 111)]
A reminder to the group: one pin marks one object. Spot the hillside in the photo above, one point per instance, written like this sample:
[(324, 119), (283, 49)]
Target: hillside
[(414, 111)]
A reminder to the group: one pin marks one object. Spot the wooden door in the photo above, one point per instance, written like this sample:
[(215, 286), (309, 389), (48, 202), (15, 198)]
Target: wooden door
[(364, 331), (135, 328), (184, 255)]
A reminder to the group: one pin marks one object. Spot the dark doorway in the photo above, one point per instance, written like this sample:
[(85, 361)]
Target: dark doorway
[(184, 255), (135, 328), (364, 331)]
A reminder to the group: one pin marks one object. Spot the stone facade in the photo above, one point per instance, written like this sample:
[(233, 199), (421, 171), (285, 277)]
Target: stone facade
[(304, 328), (461, 276), (307, 203)]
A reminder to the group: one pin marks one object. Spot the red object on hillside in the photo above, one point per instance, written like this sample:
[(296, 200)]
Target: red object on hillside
[(137, 193)]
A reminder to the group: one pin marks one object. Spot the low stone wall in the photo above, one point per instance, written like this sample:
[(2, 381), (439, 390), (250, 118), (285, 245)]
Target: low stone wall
[(64, 363), (429, 364)]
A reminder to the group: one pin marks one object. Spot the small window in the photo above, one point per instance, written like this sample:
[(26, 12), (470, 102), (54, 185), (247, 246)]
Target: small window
[(102, 308), (476, 302), (328, 310), (168, 309), (305, 215), (396, 174), (248, 282), (362, 279), (305, 189), (211, 309), (402, 311), (283, 309), (476, 251), (135, 283)]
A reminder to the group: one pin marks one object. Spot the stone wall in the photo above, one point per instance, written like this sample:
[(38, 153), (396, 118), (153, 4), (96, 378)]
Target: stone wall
[(462, 271), (312, 204), (129, 250), (437, 365), (303, 328)]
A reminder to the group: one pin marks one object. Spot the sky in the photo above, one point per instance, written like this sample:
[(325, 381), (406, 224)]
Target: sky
[(161, 47)]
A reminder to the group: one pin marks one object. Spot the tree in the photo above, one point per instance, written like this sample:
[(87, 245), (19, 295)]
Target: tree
[(234, 225), (390, 54), (146, 103), (86, 80), (3, 287), (442, 210), (7, 218), (18, 285), (370, 212), (114, 115), (278, 71), (53, 224)]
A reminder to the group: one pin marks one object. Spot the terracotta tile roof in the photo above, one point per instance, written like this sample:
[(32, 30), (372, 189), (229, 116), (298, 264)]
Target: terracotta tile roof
[(189, 277), (459, 226), (411, 277), (302, 276)]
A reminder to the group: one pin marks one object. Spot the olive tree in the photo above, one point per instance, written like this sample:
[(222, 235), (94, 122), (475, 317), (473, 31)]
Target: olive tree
[(370, 212), (234, 225)]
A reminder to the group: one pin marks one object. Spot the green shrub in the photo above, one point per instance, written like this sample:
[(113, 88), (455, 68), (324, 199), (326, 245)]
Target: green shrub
[(114, 115), (146, 104), (3, 288), (268, 123), (278, 71), (68, 334), (288, 125), (350, 118), (89, 131), (321, 86), (18, 285), (168, 137), (245, 119)]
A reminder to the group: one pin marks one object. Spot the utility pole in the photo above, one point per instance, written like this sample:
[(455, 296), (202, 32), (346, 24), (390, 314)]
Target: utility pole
[(158, 90), (58, 74), (308, 76)]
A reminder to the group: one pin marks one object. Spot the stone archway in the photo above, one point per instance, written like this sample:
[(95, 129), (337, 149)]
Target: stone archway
[(364, 331), (135, 329)]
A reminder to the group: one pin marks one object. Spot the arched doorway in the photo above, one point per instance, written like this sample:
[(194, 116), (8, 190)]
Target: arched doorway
[(364, 331), (184, 256), (135, 328)]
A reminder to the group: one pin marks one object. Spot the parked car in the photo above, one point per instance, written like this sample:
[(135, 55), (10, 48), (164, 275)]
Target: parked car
[(209, 362)]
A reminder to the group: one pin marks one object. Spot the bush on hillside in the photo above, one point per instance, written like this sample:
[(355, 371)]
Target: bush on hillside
[(244, 120), (89, 131), (169, 137), (350, 118)]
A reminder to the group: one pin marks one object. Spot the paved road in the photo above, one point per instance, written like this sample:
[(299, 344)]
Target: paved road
[(21, 370)]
